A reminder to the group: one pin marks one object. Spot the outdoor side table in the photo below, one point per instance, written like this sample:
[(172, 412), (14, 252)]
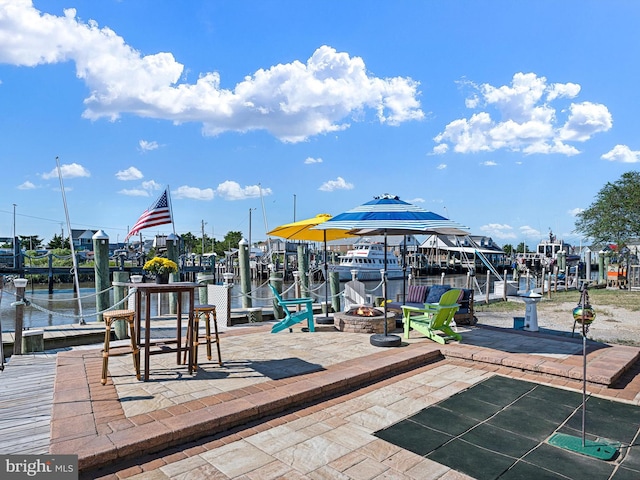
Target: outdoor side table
[(147, 290)]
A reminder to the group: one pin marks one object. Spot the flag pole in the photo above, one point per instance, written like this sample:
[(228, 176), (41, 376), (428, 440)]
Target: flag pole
[(171, 209)]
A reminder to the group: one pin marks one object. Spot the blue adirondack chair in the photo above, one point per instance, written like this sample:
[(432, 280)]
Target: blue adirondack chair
[(434, 319), (291, 318)]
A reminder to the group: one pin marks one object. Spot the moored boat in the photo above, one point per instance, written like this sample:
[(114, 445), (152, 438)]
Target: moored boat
[(367, 259), (547, 254)]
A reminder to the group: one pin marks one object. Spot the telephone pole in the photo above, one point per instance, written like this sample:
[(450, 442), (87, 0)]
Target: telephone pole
[(203, 224)]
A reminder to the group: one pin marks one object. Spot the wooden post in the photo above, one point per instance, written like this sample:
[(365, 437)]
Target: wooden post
[(488, 283), (120, 326), (504, 290), (544, 274), (245, 274), (203, 279), (20, 283), (101, 269), (50, 273), (276, 280), (173, 255), (334, 279), (303, 268)]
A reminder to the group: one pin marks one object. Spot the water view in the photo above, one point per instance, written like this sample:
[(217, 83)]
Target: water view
[(61, 307)]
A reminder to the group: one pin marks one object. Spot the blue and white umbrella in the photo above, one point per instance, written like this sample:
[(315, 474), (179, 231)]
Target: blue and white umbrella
[(388, 215)]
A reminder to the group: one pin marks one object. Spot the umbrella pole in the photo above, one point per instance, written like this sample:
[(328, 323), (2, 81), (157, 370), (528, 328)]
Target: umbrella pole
[(385, 340), (404, 269), (326, 276), (325, 319)]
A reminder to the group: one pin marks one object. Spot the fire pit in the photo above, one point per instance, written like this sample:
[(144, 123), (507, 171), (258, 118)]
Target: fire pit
[(363, 319)]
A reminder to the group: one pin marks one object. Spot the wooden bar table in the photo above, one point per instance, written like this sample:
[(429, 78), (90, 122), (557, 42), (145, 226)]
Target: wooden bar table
[(146, 290)]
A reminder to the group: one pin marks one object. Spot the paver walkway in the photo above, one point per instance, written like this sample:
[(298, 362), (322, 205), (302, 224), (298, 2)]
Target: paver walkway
[(298, 393)]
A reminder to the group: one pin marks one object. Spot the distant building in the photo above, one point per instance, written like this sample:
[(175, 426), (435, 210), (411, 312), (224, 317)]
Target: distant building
[(455, 252)]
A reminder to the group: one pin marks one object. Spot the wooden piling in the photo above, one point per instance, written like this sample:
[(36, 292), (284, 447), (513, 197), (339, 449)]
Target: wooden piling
[(303, 268), (101, 268), (173, 255), (245, 273), (17, 342)]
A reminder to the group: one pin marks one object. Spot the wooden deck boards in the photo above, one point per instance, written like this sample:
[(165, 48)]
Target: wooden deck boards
[(26, 398)]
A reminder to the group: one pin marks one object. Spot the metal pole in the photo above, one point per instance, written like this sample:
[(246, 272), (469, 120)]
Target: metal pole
[(13, 241), (73, 252), (583, 302), (584, 377)]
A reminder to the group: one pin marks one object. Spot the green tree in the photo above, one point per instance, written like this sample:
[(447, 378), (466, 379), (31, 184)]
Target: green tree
[(58, 242), (615, 214), (30, 242), (508, 249), (189, 242), (522, 248), (231, 240)]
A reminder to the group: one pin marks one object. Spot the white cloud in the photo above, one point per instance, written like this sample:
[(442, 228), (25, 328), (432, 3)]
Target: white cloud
[(337, 184), (622, 153), (145, 189), (151, 185), (489, 163), (585, 120), (26, 186), (442, 166), (498, 231), (71, 170), (194, 193), (417, 200), (575, 211), (440, 149), (145, 146), (230, 190), (311, 160), (134, 192), (524, 119), (131, 173), (472, 102), (292, 101), (529, 232), (558, 90)]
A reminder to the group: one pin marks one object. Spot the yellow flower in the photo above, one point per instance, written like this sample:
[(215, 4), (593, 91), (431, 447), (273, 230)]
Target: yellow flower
[(160, 265)]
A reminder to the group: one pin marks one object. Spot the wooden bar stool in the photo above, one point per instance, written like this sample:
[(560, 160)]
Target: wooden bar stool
[(109, 317), (208, 311)]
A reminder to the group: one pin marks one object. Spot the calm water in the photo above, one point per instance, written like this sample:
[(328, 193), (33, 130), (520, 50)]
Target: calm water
[(61, 306)]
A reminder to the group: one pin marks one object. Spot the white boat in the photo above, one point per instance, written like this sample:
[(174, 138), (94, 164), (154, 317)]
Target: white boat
[(367, 258), (546, 254)]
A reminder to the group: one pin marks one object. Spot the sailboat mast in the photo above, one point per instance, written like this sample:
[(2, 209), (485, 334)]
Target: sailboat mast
[(73, 252)]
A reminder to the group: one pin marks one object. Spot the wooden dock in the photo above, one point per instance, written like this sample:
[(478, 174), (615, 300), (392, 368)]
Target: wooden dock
[(26, 399)]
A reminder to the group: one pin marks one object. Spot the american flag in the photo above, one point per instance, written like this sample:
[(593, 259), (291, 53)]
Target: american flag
[(158, 213)]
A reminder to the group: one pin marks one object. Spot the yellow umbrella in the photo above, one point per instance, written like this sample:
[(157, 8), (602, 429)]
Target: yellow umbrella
[(301, 230)]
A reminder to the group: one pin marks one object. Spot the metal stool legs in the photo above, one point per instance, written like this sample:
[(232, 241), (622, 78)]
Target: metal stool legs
[(109, 318)]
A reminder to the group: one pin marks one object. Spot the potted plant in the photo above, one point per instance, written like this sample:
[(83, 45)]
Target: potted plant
[(161, 268)]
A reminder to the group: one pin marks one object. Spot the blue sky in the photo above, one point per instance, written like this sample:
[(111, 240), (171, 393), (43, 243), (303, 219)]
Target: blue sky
[(507, 117)]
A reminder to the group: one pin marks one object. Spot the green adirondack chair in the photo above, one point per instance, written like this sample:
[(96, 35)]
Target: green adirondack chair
[(291, 318), (434, 319)]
